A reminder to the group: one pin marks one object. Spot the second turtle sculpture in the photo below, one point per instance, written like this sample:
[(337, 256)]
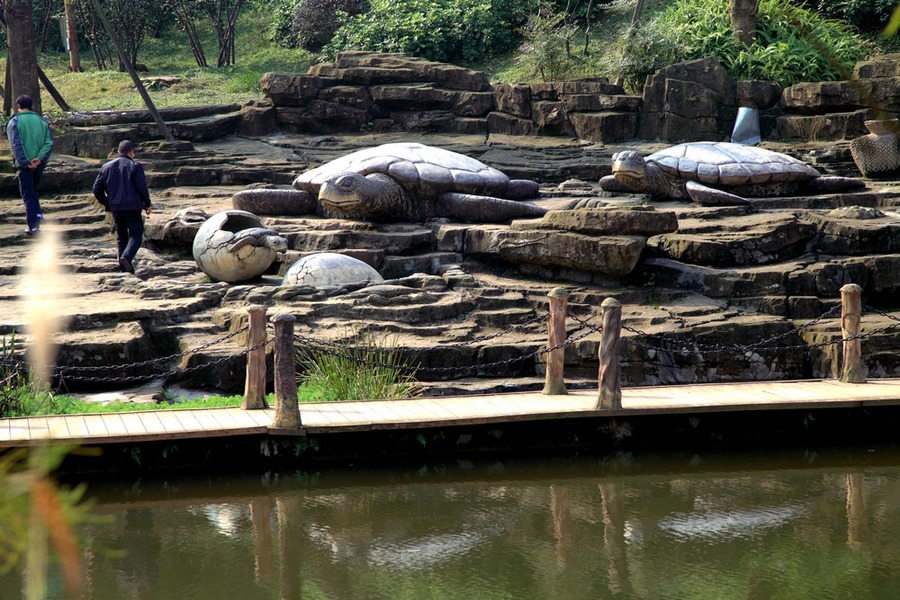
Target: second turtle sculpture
[(414, 182), (718, 174)]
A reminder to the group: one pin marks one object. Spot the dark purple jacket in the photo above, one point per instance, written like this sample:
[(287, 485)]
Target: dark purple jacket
[(121, 185)]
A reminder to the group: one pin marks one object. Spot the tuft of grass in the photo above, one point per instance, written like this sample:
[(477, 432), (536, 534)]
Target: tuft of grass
[(365, 369)]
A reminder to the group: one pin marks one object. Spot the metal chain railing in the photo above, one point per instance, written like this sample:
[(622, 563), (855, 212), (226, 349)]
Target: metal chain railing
[(358, 355), (166, 373), (761, 345), (69, 373), (337, 345), (661, 344), (151, 361)]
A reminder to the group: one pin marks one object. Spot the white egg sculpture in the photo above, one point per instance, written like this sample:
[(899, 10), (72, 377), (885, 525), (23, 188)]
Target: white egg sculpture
[(234, 246), (330, 269)]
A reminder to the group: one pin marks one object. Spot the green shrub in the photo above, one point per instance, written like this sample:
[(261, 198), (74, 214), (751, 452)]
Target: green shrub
[(792, 44), (867, 15), (455, 31), (546, 53), (363, 370)]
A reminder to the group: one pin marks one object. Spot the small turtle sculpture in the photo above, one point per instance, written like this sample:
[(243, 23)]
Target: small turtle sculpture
[(414, 182), (234, 246), (718, 174)]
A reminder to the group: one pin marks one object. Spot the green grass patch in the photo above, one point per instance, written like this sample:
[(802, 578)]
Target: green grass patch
[(170, 55), (363, 369), (34, 403)]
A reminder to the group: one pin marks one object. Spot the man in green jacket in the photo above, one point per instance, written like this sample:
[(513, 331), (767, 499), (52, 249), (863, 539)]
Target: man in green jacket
[(32, 142)]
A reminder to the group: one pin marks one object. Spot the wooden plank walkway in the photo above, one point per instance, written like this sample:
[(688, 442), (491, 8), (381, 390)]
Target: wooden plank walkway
[(336, 417)]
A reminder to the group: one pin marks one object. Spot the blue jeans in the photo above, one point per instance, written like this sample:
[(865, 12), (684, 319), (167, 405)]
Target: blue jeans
[(129, 232), (28, 182)]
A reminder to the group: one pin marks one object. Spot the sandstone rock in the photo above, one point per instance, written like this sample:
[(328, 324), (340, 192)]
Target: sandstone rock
[(606, 221), (430, 263), (690, 101), (880, 66), (513, 99), (274, 201), (762, 95), (179, 230), (286, 89), (352, 96), (597, 103), (606, 127), (551, 118), (612, 255), (843, 234), (504, 124), (413, 96), (754, 240), (257, 119), (832, 126), (842, 96)]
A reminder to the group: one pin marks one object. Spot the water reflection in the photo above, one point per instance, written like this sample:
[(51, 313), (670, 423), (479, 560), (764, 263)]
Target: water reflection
[(758, 526)]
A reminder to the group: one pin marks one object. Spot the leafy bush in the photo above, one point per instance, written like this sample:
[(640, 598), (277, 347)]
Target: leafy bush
[(455, 31), (546, 53), (364, 370), (867, 15), (310, 24), (792, 44)]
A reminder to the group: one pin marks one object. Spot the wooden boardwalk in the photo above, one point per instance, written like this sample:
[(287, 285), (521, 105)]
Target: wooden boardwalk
[(323, 418)]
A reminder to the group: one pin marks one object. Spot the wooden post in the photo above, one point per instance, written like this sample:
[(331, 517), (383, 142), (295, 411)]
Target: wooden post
[(610, 375), (287, 411), (72, 37), (553, 382), (255, 384), (851, 313)]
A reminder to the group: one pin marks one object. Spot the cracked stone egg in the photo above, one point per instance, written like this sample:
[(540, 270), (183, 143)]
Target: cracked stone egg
[(234, 246), (329, 269)]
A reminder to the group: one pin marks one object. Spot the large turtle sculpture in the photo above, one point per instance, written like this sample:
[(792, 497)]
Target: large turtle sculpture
[(718, 174), (415, 182)]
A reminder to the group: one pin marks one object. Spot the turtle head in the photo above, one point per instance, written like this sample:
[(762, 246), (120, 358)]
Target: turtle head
[(630, 169), (373, 196)]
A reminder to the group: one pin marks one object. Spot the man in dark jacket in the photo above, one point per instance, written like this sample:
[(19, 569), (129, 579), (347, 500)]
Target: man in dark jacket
[(31, 142), (122, 189)]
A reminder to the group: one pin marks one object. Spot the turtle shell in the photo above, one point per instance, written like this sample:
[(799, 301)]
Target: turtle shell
[(422, 170), (727, 164)]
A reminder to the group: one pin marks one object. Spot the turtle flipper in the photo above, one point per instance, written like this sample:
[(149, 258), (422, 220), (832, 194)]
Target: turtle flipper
[(707, 196), (830, 183), (609, 183), (518, 189), (484, 209)]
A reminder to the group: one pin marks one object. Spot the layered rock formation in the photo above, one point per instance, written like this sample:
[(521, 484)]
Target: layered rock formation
[(371, 92), (838, 110)]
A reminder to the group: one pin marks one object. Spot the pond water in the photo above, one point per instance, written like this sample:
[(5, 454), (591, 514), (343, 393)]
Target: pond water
[(786, 524)]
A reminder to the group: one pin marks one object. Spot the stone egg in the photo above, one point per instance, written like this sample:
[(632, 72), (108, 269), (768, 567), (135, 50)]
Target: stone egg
[(329, 269), (234, 246)]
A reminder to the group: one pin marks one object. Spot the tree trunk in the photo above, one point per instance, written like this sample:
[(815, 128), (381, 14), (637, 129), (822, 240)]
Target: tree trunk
[(22, 56), (635, 17), (743, 20), (72, 36)]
